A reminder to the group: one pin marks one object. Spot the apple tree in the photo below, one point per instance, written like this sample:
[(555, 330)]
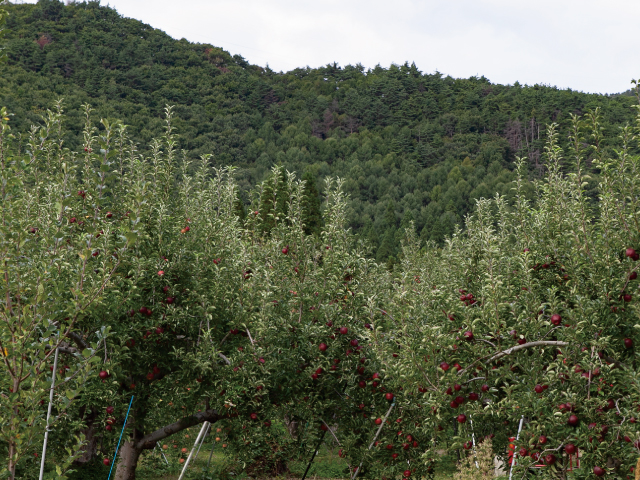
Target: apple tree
[(530, 315)]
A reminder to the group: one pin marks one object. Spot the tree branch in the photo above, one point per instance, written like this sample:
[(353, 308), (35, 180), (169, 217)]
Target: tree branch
[(149, 441), (516, 348)]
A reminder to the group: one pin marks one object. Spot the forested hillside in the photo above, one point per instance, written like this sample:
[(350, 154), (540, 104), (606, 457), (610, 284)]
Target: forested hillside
[(410, 145)]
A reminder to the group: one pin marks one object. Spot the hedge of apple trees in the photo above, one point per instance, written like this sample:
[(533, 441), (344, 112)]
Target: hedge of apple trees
[(149, 280), (531, 314)]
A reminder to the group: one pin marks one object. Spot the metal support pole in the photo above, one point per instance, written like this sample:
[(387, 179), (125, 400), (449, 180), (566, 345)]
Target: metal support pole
[(186, 464), (513, 462), (162, 453), (46, 432)]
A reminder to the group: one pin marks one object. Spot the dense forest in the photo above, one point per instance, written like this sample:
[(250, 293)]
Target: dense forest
[(410, 146)]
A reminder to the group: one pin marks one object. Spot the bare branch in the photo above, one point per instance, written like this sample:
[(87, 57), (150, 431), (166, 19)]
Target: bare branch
[(149, 441)]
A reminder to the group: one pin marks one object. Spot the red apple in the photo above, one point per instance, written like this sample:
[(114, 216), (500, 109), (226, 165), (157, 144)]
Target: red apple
[(550, 459), (522, 341), (628, 343), (485, 388), (108, 428), (103, 374), (344, 330), (253, 416), (633, 275), (106, 461), (599, 471), (459, 400), (285, 250), (110, 410), (570, 448), (362, 384), (556, 319), (406, 473), (473, 396), (322, 347), (539, 389), (453, 404), (627, 297), (457, 387), (462, 418), (109, 215), (468, 335), (354, 343), (573, 420), (630, 252), (444, 366), (389, 447), (542, 440), (389, 396), (378, 421)]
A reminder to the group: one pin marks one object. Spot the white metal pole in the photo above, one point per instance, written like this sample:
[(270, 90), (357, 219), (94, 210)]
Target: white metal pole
[(202, 442), (162, 453), (46, 432), (513, 462), (186, 464), (473, 439)]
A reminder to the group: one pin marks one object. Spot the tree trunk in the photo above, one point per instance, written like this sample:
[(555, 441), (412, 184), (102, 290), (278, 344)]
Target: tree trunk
[(91, 447), (129, 455)]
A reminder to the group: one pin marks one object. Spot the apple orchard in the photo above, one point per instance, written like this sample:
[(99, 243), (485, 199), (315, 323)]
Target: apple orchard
[(146, 274)]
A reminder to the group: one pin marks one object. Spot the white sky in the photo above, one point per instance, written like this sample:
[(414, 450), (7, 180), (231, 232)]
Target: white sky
[(586, 45)]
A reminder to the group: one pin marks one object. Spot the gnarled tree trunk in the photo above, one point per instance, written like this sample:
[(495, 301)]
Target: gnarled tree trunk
[(132, 448), (128, 462)]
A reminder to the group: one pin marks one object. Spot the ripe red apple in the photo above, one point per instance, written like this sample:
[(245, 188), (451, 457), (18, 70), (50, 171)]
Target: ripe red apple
[(628, 343), (627, 297), (285, 250), (253, 416), (132, 386), (570, 448), (108, 428), (378, 421), (362, 384), (556, 319), (375, 375), (467, 445), (550, 459), (322, 347), (106, 461), (453, 404), (354, 343), (444, 366), (473, 396), (457, 387), (542, 440), (103, 374), (462, 418), (406, 473), (526, 250), (389, 396), (627, 439), (485, 388), (630, 252), (522, 341), (633, 275), (573, 420), (539, 389), (389, 447), (468, 335), (344, 330), (523, 452), (459, 400), (599, 471), (449, 391), (110, 410)]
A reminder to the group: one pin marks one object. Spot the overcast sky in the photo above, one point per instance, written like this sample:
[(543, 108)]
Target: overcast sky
[(585, 45)]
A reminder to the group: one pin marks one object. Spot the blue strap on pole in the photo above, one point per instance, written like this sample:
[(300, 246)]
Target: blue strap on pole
[(123, 427)]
